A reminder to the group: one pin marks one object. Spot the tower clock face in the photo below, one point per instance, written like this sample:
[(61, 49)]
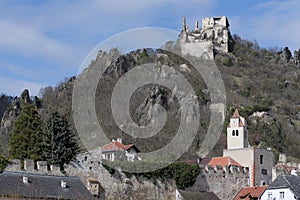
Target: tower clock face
[(234, 122)]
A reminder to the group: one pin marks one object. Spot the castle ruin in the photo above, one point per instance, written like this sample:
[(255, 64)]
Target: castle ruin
[(212, 37)]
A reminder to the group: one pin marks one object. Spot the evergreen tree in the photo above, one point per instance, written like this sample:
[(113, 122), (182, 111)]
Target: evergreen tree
[(59, 142), (25, 139), (3, 162)]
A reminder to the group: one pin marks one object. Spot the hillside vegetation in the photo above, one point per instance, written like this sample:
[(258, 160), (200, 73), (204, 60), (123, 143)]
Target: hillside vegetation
[(262, 83)]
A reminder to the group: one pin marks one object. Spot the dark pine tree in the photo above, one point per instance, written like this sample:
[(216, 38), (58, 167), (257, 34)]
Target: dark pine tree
[(3, 162), (59, 142), (25, 138)]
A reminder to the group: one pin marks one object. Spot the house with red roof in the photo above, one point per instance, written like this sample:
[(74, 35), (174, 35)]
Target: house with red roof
[(116, 150), (250, 193)]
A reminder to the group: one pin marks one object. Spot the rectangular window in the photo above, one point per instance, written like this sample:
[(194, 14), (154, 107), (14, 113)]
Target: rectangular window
[(261, 159), (264, 171), (269, 195), (281, 195)]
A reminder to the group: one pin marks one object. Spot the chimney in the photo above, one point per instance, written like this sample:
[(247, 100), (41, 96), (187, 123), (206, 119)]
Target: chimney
[(294, 172), (63, 184), (25, 179), (119, 140)]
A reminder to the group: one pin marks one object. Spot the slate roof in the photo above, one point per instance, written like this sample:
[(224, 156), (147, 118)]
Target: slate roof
[(247, 193), (287, 181), (118, 146), (223, 161), (42, 186), (191, 195)]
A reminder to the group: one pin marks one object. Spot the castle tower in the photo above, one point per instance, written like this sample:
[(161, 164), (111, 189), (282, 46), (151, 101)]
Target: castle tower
[(237, 134), (183, 24)]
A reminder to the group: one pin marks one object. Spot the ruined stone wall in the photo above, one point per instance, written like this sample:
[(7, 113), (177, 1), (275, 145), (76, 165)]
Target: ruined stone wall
[(197, 49), (225, 181), (29, 166), (212, 37)]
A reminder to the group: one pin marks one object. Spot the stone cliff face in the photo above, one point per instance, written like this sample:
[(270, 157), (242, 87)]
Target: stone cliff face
[(145, 98), (9, 118)]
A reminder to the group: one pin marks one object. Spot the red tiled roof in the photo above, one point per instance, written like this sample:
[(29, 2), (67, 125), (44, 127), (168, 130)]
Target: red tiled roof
[(236, 114), (116, 146), (247, 192), (93, 180), (285, 168), (223, 161)]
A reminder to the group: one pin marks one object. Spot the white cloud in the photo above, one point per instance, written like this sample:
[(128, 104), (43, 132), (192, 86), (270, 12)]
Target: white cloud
[(15, 87), (61, 30), (26, 40)]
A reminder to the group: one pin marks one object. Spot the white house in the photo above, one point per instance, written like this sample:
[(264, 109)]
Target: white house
[(284, 187), (116, 150)]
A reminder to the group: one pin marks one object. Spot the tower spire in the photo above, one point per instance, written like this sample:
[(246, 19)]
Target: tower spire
[(183, 24), (236, 114)]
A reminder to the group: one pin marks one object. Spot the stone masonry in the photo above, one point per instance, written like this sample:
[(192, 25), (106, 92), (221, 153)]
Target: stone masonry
[(212, 37)]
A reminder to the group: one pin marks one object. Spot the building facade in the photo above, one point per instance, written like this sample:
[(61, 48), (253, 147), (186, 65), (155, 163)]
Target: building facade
[(116, 150), (259, 161), (284, 187)]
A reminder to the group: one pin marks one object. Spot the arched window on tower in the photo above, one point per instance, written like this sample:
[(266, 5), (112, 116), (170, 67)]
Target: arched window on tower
[(237, 133), (233, 132)]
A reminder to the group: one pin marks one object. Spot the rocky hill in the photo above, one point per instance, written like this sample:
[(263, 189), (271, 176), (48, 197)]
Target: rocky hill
[(262, 83)]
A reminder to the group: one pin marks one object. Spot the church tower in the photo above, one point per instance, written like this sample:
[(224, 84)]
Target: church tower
[(237, 134)]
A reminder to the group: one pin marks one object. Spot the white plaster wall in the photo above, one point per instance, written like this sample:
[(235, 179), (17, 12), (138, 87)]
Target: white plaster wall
[(244, 156), (236, 142), (288, 194)]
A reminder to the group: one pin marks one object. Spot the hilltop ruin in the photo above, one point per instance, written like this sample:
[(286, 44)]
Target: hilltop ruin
[(212, 37)]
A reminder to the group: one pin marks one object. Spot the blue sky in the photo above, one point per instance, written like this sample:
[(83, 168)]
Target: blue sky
[(42, 42)]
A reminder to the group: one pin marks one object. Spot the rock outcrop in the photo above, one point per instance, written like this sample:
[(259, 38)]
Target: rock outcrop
[(25, 96), (296, 58), (9, 117), (284, 56)]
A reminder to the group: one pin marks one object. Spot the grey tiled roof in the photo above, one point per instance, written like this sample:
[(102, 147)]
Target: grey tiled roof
[(42, 186), (190, 195), (293, 182)]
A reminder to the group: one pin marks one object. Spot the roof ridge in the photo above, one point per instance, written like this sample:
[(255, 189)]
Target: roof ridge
[(288, 182), (236, 114), (37, 174)]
